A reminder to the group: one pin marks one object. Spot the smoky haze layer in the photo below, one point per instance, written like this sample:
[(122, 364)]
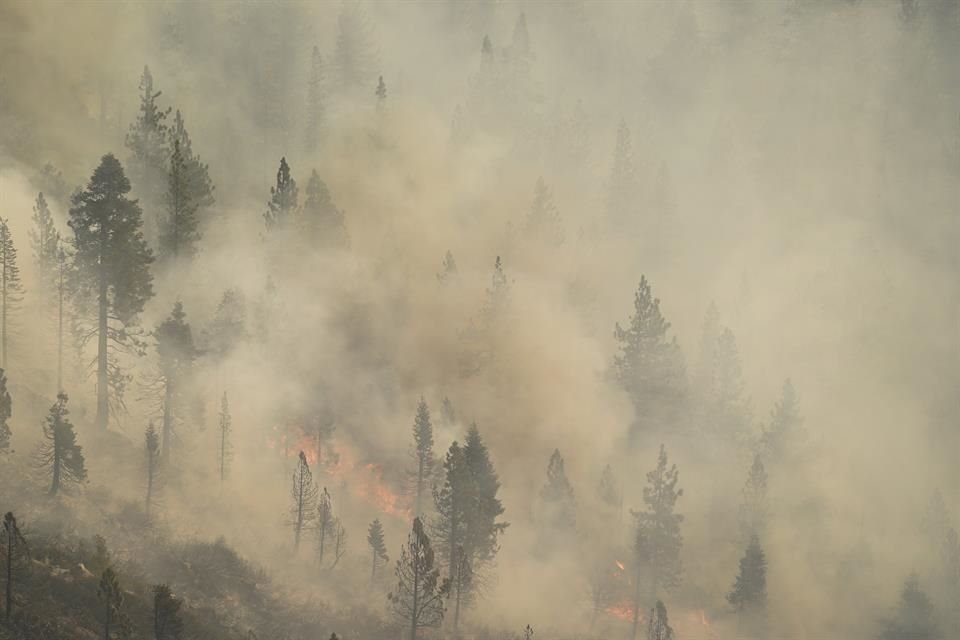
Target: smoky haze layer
[(794, 164)]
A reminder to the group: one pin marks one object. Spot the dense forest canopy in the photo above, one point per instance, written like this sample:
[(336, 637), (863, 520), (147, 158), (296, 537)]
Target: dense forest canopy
[(484, 319)]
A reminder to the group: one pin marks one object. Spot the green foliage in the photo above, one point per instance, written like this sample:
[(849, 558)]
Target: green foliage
[(658, 526), (167, 624), (658, 628), (45, 242), (483, 525), (422, 454), (323, 223), (557, 494), (59, 454), (11, 288), (176, 354), (377, 546), (179, 231), (753, 508), (650, 366), (147, 143), (749, 593), (283, 205), (914, 619), (418, 597)]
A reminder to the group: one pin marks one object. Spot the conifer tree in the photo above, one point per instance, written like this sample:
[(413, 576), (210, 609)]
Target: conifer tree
[(448, 268), (753, 509), (15, 549), (557, 496), (749, 593), (659, 626), (705, 379), (461, 584), (543, 222), (422, 454), (623, 190), (304, 493), (111, 265), (377, 547), (659, 526), (6, 412), (354, 54), (729, 408), (225, 447), (781, 439), (179, 231), (381, 94), (325, 523), (609, 489), (452, 500), (484, 526), (339, 542), (649, 366), (152, 449), (915, 617), (45, 242), (283, 205), (147, 144), (498, 295), (60, 454), (323, 223), (11, 288), (176, 354), (167, 624), (418, 597), (316, 108), (228, 328), (199, 186), (112, 595)]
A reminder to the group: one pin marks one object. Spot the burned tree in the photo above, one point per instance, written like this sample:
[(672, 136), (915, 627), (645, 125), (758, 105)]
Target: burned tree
[(167, 624), (304, 493), (15, 549), (176, 353), (152, 449), (112, 595), (225, 447), (325, 523)]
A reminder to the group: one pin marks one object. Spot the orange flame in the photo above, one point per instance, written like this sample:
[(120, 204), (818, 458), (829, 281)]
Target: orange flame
[(339, 461), (621, 611)]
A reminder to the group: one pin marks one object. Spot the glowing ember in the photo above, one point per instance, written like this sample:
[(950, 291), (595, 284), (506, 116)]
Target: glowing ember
[(622, 611), (619, 565)]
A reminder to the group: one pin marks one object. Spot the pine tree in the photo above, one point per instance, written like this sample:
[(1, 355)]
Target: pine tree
[(452, 500), (283, 205), (609, 489), (749, 593), (45, 242), (354, 55), (705, 382), (323, 223), (461, 584), (422, 454), (147, 144), (557, 496), (15, 550), (418, 598), (225, 447), (112, 596), (543, 222), (659, 626), (167, 624), (316, 108), (498, 295), (199, 187), (62, 275), (448, 268), (649, 366), (228, 328), (377, 547), (381, 94), (179, 232), (339, 542), (6, 412), (176, 353), (659, 525), (111, 263), (152, 449), (484, 526), (623, 190), (915, 618), (60, 454), (729, 409), (325, 523), (781, 440), (304, 494), (11, 288), (753, 509), (641, 566)]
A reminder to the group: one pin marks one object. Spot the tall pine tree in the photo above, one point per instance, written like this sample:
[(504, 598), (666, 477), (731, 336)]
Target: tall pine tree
[(418, 597), (111, 265), (377, 547), (59, 454), (623, 190), (11, 288), (659, 526), (560, 512), (422, 454), (284, 204), (6, 412), (316, 102), (147, 142), (179, 231), (304, 494), (323, 223), (176, 353)]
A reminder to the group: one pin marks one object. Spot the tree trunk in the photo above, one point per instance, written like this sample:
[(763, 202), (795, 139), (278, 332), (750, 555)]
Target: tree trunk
[(60, 331), (419, 508), (299, 525), (416, 598), (106, 624), (3, 321), (373, 571), (103, 406), (10, 540), (55, 485), (150, 465), (167, 420)]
